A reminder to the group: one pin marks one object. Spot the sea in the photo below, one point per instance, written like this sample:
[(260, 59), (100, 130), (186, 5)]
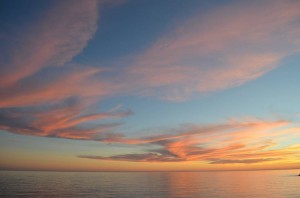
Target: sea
[(227, 184)]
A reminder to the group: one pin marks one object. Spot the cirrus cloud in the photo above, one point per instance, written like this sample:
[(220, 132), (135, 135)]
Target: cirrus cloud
[(242, 142), (44, 93), (224, 48)]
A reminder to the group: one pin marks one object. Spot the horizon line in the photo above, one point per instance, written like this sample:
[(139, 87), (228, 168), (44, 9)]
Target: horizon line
[(120, 171)]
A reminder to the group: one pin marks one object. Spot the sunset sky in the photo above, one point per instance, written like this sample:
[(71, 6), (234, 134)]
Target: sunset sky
[(149, 85)]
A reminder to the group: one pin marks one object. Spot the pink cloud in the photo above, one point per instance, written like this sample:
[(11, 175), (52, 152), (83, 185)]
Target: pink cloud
[(55, 39), (44, 94), (225, 48), (63, 120), (241, 141)]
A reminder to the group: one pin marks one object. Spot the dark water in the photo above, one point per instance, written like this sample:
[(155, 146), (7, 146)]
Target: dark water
[(252, 184)]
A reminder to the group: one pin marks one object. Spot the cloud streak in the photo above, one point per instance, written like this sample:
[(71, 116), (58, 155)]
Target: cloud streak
[(37, 69), (55, 39), (146, 157), (224, 48), (238, 142), (42, 92), (63, 120)]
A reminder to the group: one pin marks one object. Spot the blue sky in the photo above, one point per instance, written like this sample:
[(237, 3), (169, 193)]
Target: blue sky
[(192, 85)]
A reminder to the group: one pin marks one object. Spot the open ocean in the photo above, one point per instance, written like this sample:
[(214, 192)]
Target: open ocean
[(240, 184)]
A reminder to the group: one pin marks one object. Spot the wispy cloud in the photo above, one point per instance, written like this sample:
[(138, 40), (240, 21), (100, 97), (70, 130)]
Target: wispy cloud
[(224, 48), (54, 40), (42, 92), (37, 69), (246, 161), (145, 157), (243, 142), (64, 119)]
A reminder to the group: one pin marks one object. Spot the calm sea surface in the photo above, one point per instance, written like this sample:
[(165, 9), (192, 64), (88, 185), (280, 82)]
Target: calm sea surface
[(252, 184)]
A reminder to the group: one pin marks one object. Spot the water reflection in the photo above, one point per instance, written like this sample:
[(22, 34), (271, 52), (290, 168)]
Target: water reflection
[(234, 184), (148, 184)]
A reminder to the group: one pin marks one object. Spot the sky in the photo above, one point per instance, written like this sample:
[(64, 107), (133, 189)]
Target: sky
[(149, 85)]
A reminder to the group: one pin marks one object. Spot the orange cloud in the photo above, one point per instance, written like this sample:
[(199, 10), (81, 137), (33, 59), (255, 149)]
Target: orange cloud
[(228, 143), (145, 157), (41, 92), (64, 119), (52, 85)]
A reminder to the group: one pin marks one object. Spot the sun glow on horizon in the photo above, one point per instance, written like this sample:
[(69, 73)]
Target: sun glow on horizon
[(109, 86)]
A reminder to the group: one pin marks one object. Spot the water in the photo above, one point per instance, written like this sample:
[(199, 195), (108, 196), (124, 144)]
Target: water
[(241, 184)]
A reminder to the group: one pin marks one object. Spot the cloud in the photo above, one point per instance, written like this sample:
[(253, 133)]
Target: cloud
[(56, 38), (224, 48), (52, 84), (43, 93), (247, 161), (147, 157), (243, 142), (241, 127), (37, 69), (64, 120)]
